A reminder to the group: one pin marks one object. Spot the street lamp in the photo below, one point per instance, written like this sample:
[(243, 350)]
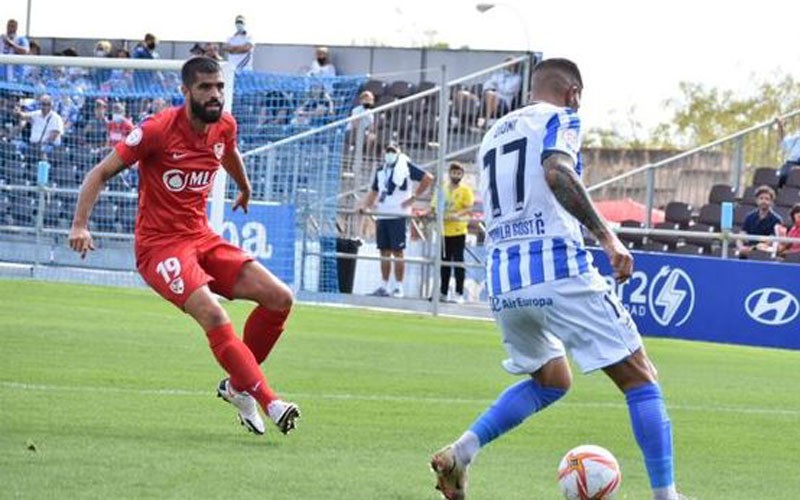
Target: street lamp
[(485, 7)]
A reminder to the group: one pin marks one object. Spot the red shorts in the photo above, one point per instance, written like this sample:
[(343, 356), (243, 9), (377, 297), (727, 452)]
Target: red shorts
[(176, 269)]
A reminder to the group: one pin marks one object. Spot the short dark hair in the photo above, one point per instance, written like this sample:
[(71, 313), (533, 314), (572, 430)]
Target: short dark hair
[(195, 65), (456, 166), (795, 210), (564, 66), (765, 189)]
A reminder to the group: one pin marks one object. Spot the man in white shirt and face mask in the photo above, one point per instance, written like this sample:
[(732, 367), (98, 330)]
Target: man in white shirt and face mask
[(240, 47), (392, 189)]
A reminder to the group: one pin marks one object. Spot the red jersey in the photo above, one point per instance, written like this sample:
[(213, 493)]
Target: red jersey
[(177, 166)]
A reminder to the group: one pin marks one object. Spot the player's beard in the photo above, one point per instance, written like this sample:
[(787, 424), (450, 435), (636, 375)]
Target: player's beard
[(202, 112)]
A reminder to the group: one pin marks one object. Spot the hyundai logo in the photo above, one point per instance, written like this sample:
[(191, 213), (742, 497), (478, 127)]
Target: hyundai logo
[(772, 306)]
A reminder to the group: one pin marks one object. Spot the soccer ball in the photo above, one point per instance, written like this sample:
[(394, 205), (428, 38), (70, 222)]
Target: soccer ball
[(589, 472)]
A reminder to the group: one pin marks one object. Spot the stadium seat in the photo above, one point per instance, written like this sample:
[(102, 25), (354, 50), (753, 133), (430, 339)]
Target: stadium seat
[(720, 193), (700, 227), (783, 211), (632, 240), (401, 89), (678, 212), (792, 258), (760, 255), (766, 176), (710, 215), (689, 249), (669, 240), (740, 212), (377, 87), (788, 196), (655, 246), (104, 215), (384, 100), (793, 180), (749, 195), (53, 212)]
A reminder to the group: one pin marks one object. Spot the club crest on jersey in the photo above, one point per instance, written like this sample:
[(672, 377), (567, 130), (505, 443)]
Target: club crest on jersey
[(177, 286), (219, 150), (571, 139), (177, 180), (134, 138)]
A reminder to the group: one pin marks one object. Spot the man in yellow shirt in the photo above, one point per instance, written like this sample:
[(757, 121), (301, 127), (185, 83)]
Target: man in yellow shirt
[(459, 199)]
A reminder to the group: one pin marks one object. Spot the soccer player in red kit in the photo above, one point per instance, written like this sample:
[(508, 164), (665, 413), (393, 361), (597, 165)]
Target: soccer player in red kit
[(179, 151)]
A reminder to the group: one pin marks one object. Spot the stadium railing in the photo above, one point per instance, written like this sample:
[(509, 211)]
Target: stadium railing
[(38, 189)]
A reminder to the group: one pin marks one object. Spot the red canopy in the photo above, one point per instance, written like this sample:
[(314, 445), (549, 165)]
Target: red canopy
[(627, 209)]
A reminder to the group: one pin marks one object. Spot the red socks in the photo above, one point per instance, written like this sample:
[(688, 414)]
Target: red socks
[(236, 359), (262, 330)]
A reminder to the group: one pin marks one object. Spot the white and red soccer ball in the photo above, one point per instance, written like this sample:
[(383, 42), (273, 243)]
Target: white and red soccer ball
[(589, 472)]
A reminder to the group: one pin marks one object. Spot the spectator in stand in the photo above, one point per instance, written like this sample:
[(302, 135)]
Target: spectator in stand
[(47, 127), (13, 43), (212, 50), (120, 125), (794, 232), (762, 221), (366, 101), (146, 50), (322, 66), (316, 109), (151, 108), (95, 132), (791, 145), (70, 112), (197, 49), (240, 47), (101, 49), (501, 93)]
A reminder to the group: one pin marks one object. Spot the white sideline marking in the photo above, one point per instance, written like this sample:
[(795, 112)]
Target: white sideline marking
[(385, 398)]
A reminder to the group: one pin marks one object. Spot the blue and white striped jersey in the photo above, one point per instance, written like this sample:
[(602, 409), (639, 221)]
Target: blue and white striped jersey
[(531, 238)]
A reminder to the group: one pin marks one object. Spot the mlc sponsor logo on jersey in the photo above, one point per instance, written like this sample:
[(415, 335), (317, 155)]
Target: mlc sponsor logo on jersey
[(671, 296), (772, 306), (177, 180)]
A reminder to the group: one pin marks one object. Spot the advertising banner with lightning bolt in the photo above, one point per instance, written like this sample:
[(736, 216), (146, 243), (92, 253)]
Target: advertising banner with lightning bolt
[(712, 299)]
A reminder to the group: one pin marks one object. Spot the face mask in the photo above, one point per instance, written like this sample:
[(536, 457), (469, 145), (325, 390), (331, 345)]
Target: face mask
[(390, 158), (151, 45), (100, 53), (117, 117), (368, 105), (239, 26), (321, 61)]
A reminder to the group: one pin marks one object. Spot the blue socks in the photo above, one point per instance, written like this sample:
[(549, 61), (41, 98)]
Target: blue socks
[(653, 432), (514, 405)]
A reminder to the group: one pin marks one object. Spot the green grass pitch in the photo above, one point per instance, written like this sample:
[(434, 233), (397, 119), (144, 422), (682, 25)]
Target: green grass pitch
[(109, 393)]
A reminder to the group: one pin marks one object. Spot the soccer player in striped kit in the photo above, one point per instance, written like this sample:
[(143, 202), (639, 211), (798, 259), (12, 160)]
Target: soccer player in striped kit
[(545, 294)]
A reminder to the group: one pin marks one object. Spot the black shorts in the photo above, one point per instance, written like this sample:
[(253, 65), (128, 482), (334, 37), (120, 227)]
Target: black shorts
[(391, 234)]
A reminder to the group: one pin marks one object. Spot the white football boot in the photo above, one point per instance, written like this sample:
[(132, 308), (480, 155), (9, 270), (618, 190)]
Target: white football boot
[(245, 403)]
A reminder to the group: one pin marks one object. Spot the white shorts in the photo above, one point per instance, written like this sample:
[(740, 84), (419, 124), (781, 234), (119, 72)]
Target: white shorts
[(580, 313)]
